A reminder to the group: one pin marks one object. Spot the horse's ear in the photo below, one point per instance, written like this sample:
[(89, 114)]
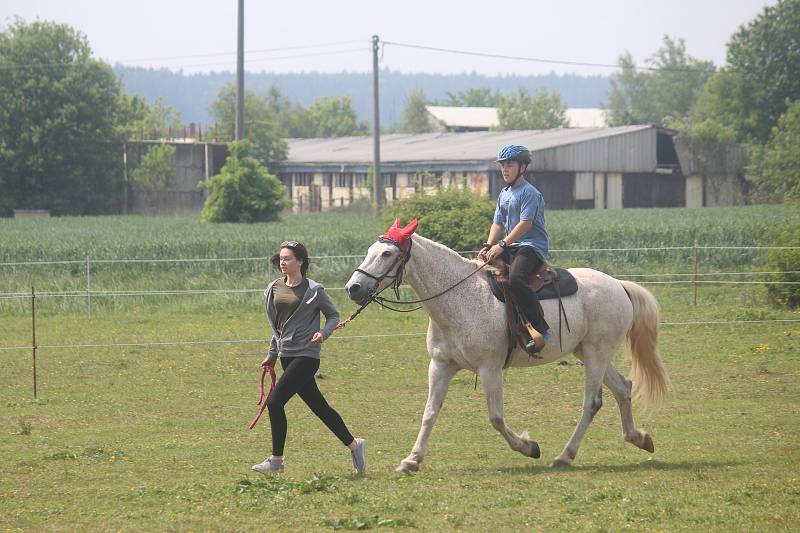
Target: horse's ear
[(396, 224), (410, 228)]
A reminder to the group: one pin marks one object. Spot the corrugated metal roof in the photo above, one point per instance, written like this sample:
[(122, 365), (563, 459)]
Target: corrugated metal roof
[(620, 149)]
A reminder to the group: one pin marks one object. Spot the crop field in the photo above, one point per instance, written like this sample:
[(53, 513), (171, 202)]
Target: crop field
[(143, 400)]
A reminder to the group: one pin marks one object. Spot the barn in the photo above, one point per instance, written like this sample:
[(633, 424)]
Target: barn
[(574, 168)]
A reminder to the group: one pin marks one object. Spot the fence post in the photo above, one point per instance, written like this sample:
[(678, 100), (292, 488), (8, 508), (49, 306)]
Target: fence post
[(33, 336), (694, 249), (88, 285)]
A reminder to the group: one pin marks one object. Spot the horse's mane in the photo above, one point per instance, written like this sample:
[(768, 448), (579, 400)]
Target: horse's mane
[(475, 263)]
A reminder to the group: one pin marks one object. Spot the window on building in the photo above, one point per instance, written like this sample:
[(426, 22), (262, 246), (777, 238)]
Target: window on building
[(343, 179), (302, 179), (327, 179), (359, 179)]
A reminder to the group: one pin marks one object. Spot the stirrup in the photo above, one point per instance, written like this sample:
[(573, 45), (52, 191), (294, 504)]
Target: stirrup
[(537, 342)]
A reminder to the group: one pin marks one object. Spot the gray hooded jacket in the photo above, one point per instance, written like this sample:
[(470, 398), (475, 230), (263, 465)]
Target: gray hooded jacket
[(295, 339)]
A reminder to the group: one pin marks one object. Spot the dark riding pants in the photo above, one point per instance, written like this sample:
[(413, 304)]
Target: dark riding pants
[(298, 378), (524, 262)]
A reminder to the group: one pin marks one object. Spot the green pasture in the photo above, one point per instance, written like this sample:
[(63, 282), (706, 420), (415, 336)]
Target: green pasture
[(128, 434), (155, 438)]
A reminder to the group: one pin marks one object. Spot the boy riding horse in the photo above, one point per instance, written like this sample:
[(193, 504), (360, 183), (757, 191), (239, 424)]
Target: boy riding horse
[(520, 215)]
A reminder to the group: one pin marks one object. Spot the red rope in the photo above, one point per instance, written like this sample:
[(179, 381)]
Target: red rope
[(264, 398)]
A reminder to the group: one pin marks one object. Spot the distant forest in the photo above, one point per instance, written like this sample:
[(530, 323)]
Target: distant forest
[(192, 94)]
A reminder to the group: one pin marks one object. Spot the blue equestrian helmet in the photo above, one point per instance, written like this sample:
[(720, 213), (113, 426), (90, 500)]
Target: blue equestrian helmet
[(514, 152)]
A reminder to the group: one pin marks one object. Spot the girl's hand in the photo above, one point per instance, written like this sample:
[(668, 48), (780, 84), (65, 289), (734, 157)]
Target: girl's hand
[(318, 338)]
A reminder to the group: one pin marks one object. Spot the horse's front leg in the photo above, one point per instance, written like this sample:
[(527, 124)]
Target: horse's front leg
[(492, 379), (439, 375)]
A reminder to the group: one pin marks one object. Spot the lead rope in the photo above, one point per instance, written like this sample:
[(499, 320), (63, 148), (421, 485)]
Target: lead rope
[(262, 396)]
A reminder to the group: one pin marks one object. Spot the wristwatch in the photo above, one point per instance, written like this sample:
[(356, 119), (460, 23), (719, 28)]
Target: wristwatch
[(501, 243)]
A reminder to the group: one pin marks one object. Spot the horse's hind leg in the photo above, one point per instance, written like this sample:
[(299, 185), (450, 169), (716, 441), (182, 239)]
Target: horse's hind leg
[(492, 379), (595, 363), (621, 388), (439, 375)]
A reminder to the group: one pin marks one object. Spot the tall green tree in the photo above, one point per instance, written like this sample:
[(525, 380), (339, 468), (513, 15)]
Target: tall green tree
[(260, 124), (291, 119), (334, 116), (415, 116), (662, 94), (136, 120), (522, 110), (58, 145), (243, 191), (775, 170), (765, 54)]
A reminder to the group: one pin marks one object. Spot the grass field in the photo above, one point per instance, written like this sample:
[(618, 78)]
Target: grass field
[(146, 438)]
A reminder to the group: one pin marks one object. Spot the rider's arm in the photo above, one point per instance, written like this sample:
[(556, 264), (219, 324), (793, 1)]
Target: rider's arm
[(494, 233), (522, 227)]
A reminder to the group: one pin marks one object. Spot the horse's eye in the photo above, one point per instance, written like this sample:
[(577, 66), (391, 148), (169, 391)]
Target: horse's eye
[(387, 253)]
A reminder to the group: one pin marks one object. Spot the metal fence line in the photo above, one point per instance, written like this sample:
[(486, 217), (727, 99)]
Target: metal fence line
[(324, 257), (346, 337), (222, 292)]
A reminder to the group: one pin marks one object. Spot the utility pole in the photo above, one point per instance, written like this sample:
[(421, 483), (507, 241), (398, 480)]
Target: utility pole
[(239, 134), (377, 178)]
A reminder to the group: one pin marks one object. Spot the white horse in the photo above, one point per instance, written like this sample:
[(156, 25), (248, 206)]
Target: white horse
[(467, 330)]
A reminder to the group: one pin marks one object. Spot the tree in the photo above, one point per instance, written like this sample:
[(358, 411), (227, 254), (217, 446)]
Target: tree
[(136, 120), (260, 124), (291, 119), (765, 53), (483, 97), (415, 116), (775, 170), (334, 116), (58, 145), (156, 171), (525, 111), (243, 191), (663, 94)]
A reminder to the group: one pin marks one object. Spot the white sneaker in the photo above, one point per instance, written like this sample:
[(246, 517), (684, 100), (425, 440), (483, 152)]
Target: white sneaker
[(359, 456), (269, 466)]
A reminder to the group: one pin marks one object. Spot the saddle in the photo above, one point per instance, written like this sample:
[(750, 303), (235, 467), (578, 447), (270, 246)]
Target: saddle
[(547, 283)]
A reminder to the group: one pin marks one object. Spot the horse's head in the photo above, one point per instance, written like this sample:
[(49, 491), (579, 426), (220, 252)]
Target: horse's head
[(383, 264)]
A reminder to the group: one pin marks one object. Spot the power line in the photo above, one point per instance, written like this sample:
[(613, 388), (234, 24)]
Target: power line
[(540, 59), (32, 66)]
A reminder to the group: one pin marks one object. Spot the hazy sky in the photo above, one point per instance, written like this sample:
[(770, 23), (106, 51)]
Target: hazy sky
[(200, 35)]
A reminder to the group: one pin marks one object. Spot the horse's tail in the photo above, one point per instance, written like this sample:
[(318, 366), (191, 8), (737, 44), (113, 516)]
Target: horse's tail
[(650, 380)]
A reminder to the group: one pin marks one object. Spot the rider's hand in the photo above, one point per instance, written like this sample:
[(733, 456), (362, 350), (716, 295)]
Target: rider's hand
[(482, 253)]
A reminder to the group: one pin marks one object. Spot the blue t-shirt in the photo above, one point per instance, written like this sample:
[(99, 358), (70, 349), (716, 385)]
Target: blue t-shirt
[(524, 202)]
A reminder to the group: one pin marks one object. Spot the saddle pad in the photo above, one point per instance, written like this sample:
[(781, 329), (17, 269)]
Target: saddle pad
[(567, 285)]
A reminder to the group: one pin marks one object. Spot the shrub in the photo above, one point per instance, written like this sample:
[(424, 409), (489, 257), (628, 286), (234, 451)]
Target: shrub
[(785, 260), (458, 218), (156, 172), (243, 191)]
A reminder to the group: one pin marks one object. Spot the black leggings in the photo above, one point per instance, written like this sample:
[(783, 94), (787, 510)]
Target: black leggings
[(524, 262), (298, 378)]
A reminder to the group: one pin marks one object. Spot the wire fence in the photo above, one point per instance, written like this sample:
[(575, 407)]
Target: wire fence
[(263, 267)]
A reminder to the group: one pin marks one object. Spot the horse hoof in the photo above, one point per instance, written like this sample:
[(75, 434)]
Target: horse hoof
[(406, 466), (535, 451), (560, 463), (647, 443)]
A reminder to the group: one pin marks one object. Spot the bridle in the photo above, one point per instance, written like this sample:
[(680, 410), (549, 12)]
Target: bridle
[(402, 259)]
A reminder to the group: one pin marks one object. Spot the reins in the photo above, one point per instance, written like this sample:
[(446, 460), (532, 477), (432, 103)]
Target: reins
[(398, 277)]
